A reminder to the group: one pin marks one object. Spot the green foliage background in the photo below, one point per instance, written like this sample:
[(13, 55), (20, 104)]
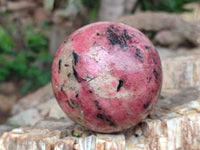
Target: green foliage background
[(93, 6), (173, 6), (22, 66)]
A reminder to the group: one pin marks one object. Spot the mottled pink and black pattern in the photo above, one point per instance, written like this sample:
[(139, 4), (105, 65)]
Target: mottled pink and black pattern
[(107, 76)]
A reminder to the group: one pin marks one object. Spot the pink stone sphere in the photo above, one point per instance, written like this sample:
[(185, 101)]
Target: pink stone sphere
[(107, 76)]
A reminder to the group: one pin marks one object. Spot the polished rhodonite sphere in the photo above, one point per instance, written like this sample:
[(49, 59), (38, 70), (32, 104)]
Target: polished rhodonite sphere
[(107, 76)]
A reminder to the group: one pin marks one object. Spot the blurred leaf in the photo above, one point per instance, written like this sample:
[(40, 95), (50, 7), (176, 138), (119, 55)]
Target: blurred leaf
[(3, 74), (93, 6), (35, 41), (35, 78), (76, 134), (18, 66), (93, 14), (4, 71), (165, 5), (91, 3), (6, 42), (23, 66)]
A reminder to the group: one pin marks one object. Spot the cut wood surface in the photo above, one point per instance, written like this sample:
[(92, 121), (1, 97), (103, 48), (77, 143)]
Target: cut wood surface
[(181, 72)]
